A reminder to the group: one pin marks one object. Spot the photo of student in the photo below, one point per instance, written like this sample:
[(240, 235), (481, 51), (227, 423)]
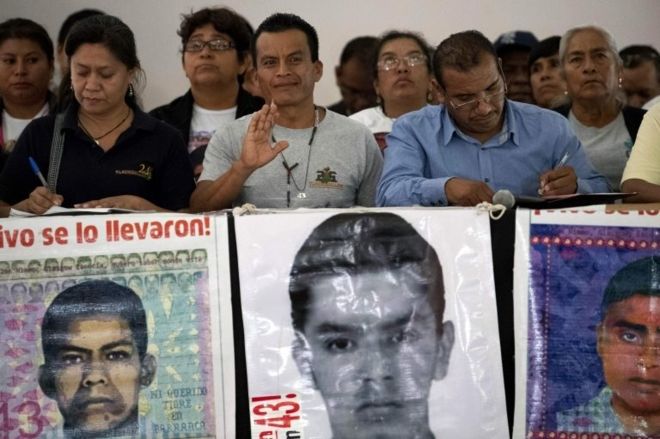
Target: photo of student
[(367, 310), (391, 330), (94, 340), (628, 345)]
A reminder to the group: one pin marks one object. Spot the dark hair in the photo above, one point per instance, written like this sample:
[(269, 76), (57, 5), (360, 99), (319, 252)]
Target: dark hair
[(281, 22), (73, 19), (544, 49), (633, 56), (87, 299), (361, 48), (114, 35), (352, 243), (395, 35), (461, 51), (22, 28), (638, 277), (224, 20)]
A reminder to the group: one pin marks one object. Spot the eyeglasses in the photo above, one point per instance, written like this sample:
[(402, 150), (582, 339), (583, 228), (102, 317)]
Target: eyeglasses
[(392, 62), (218, 45), (471, 104)]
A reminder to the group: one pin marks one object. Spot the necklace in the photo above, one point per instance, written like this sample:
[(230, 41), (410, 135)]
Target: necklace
[(96, 139), (289, 169)]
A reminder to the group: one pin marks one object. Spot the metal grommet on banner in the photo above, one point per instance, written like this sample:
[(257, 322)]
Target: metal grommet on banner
[(495, 211)]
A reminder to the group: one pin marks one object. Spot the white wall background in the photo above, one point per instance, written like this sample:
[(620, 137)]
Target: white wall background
[(155, 22)]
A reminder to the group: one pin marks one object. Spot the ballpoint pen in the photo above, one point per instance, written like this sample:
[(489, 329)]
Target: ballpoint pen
[(37, 172), (561, 163)]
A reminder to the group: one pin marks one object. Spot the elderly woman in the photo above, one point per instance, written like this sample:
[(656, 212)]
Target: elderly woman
[(548, 84), (112, 153), (26, 52), (607, 129), (215, 56), (403, 81)]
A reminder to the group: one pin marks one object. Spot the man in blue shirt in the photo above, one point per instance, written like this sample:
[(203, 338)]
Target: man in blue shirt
[(462, 152)]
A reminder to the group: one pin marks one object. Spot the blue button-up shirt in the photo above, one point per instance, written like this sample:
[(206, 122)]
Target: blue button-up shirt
[(425, 149)]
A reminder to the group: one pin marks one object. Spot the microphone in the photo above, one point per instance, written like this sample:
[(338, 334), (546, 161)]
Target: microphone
[(505, 198)]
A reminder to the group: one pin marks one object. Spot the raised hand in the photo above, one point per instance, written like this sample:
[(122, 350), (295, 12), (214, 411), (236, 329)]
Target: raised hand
[(258, 148)]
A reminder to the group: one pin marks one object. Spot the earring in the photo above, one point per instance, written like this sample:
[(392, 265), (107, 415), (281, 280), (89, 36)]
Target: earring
[(620, 81), (131, 92)]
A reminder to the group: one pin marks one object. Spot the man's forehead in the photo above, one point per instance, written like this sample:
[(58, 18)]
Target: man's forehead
[(474, 80), (639, 308), (369, 292), (283, 42)]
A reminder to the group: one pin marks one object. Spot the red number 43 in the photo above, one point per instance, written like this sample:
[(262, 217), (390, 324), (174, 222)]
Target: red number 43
[(281, 422)]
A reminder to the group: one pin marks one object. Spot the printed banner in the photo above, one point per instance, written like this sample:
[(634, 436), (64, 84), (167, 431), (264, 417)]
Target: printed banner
[(588, 316), (110, 325), (370, 323)]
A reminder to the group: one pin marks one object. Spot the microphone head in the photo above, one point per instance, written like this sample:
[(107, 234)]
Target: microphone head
[(505, 198)]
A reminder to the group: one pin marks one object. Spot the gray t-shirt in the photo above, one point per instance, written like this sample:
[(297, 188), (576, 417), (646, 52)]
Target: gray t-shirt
[(343, 169), (608, 147)]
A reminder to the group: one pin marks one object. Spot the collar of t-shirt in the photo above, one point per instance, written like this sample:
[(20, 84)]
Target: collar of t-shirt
[(12, 127)]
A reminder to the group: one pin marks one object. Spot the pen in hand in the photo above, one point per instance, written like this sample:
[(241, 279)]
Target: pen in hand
[(562, 162), (37, 172)]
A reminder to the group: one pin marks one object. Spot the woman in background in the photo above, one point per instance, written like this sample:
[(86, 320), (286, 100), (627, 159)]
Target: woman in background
[(26, 68), (606, 127), (548, 84), (403, 81), (216, 56)]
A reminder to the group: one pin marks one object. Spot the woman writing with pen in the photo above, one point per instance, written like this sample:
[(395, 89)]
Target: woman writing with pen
[(112, 154)]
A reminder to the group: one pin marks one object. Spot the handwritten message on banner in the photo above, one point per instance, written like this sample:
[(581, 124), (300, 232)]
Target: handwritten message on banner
[(370, 324), (588, 298), (110, 325)]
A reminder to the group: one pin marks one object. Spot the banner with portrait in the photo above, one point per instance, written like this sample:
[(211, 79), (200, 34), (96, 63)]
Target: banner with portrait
[(370, 323), (111, 325), (587, 322)]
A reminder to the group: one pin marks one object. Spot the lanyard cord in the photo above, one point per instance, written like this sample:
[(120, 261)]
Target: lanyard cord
[(289, 169)]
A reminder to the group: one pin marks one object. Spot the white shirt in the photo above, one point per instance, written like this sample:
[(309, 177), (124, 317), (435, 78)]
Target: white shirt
[(12, 127), (205, 122)]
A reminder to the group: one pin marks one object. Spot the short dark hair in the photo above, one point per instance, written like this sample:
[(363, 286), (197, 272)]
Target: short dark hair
[(395, 35), (87, 299), (361, 48), (633, 56), (224, 20), (73, 19), (281, 22), (22, 28), (110, 32), (638, 277), (544, 49), (461, 51), (352, 243)]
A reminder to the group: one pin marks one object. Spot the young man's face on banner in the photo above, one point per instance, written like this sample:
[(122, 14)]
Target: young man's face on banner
[(629, 347), (98, 374), (372, 350)]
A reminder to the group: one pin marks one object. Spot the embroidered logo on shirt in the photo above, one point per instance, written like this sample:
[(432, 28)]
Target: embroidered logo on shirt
[(326, 179), (144, 170)]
